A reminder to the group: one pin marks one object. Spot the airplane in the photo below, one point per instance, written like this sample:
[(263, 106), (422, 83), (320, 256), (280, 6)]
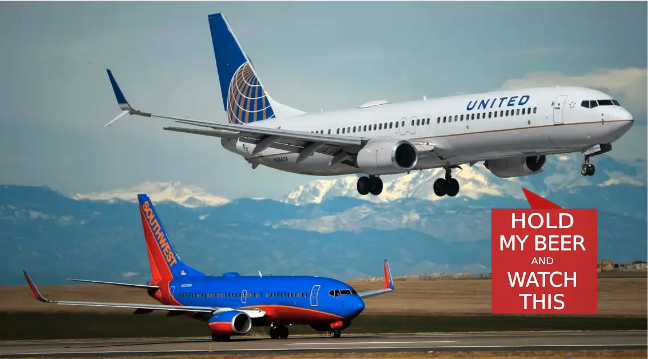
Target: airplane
[(510, 131), (231, 304)]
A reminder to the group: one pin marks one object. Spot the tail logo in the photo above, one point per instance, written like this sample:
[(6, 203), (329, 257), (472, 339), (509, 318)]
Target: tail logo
[(246, 99), (159, 234)]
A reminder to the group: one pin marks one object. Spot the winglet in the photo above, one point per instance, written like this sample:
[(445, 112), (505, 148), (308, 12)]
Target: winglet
[(34, 290), (121, 101), (389, 282)]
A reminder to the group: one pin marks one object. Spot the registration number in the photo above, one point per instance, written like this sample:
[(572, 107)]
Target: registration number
[(281, 159)]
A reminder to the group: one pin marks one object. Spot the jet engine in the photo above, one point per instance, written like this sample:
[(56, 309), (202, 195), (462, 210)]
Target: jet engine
[(231, 322), (387, 156), (516, 166)]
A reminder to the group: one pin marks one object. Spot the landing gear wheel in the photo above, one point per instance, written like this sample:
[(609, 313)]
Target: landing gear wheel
[(440, 187), (377, 187), (364, 185), (588, 169), (283, 332), (335, 334), (274, 333), (220, 338), (452, 187)]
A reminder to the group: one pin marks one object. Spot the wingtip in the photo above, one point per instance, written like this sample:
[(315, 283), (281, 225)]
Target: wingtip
[(33, 288)]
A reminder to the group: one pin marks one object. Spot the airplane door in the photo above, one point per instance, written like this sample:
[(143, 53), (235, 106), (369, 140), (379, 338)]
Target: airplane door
[(314, 294), (558, 109), (244, 296), (412, 125), (403, 129)]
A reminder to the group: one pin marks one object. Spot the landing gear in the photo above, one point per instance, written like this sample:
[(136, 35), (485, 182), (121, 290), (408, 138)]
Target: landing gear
[(446, 186), (587, 169), (335, 334), (279, 332), (220, 338), (373, 185)]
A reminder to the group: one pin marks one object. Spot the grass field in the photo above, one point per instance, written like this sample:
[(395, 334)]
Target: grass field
[(415, 306)]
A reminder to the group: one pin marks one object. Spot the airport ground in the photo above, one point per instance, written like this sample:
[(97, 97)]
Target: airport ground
[(415, 307)]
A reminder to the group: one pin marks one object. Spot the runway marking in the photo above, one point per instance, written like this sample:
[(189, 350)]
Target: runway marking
[(343, 343)]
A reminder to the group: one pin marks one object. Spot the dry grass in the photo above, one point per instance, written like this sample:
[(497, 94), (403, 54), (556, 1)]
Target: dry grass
[(616, 297), (580, 354)]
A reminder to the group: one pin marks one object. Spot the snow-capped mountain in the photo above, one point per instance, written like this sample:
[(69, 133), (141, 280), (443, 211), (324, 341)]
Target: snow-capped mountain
[(476, 182), (184, 195)]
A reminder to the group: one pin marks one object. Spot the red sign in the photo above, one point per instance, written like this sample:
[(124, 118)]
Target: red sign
[(543, 259)]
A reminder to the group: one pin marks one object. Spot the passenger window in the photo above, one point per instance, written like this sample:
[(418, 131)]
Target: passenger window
[(444, 119), (337, 132), (380, 126), (343, 130), (438, 119), (365, 128), (329, 131), (472, 117), (418, 122), (518, 112), (396, 124), (456, 118), (403, 124), (375, 127), (489, 114), (534, 109), (523, 111), (461, 118), (412, 122), (428, 121), (390, 125), (507, 112), (494, 113), (478, 116), (354, 128)]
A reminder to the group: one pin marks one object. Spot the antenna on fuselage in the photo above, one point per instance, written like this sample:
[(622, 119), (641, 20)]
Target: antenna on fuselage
[(424, 98), (260, 275)]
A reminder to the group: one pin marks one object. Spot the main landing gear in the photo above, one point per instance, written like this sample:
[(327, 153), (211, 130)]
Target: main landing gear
[(335, 334), (371, 184), (280, 331), (446, 186)]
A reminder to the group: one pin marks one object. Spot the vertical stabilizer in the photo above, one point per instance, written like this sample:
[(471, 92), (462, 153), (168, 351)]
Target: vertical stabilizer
[(244, 97), (163, 258)]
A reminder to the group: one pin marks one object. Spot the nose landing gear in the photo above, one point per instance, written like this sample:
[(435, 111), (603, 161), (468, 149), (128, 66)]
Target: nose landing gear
[(446, 186), (371, 184)]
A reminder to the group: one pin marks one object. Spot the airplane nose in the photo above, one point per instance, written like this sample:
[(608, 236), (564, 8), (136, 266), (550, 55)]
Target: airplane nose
[(358, 308)]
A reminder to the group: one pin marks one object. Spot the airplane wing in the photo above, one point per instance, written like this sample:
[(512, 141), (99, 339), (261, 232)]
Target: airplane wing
[(117, 284), (253, 313), (389, 284), (304, 143)]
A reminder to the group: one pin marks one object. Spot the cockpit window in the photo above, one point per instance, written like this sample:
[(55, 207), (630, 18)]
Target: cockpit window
[(338, 292), (595, 103)]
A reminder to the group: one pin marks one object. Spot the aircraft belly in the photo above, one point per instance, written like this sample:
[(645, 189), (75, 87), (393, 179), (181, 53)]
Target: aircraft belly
[(317, 164)]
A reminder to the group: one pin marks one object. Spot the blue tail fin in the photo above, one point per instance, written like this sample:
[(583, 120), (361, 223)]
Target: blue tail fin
[(244, 97), (163, 258)]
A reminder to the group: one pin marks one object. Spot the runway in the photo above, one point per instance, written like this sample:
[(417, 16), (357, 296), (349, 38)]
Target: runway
[(636, 340)]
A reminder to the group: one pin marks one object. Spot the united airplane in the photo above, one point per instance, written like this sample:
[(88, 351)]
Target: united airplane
[(231, 304), (511, 132)]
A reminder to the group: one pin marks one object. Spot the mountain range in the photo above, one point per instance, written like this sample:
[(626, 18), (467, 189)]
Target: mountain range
[(322, 228)]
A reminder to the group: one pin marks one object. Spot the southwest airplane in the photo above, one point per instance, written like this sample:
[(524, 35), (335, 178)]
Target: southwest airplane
[(232, 304), (512, 132)]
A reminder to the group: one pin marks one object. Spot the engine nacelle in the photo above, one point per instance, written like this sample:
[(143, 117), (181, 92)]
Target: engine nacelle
[(231, 322), (387, 156), (516, 166)]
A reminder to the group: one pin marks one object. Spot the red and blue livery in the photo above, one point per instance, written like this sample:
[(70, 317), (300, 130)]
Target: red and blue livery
[(232, 304)]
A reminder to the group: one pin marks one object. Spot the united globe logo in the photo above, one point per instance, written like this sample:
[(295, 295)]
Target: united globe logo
[(246, 100)]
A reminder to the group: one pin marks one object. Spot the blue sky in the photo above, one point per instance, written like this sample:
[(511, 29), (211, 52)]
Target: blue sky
[(55, 96)]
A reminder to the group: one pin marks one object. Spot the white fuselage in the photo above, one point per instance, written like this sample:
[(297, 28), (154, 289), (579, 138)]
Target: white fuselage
[(463, 129)]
